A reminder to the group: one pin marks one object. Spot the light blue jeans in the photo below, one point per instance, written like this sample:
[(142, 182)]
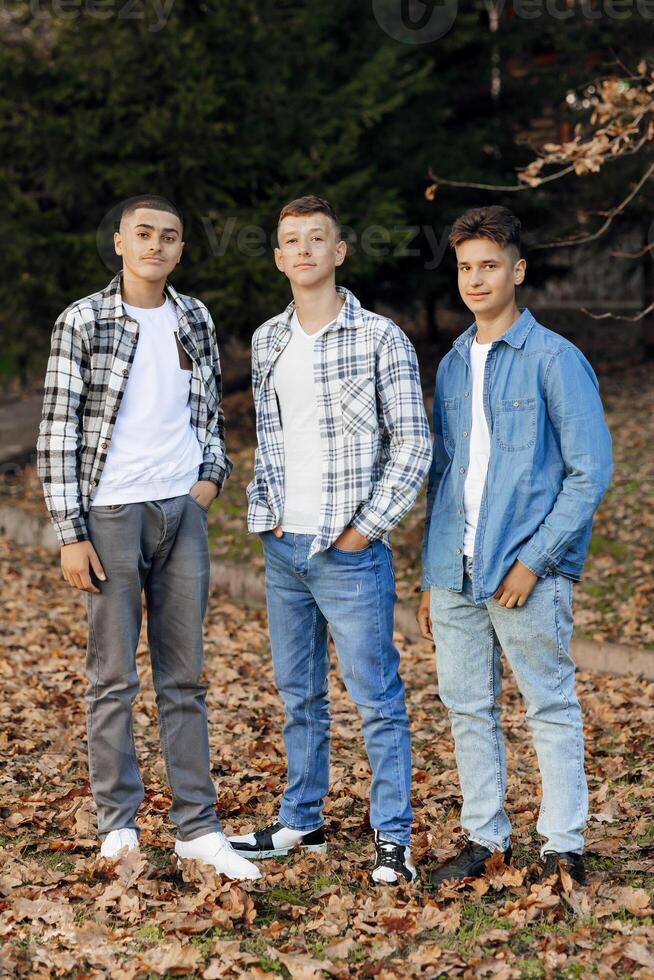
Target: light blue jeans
[(534, 639), (353, 593)]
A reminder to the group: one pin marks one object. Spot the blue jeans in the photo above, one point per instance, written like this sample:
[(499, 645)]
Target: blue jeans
[(354, 593), (534, 639)]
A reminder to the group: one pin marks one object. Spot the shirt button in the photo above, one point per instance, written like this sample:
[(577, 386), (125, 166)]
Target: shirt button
[(516, 404), (465, 435), (278, 347), (94, 483), (458, 551), (125, 372), (103, 445), (462, 469), (467, 394), (459, 511), (134, 341)]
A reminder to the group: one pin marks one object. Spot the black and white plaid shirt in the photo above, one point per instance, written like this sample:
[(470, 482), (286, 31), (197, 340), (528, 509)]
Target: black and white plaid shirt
[(92, 348), (376, 443)]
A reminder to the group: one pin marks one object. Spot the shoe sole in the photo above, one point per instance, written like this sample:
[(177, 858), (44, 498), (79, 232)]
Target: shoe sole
[(178, 864), (380, 883), (280, 851), (118, 855)]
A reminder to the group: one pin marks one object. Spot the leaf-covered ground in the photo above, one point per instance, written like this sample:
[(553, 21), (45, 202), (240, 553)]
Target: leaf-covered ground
[(613, 602), (66, 912)]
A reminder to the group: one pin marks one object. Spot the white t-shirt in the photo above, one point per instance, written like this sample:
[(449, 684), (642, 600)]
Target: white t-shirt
[(295, 389), (154, 452), (479, 447)]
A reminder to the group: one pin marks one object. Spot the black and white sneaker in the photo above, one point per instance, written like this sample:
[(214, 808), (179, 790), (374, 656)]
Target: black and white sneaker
[(393, 864), (277, 841)]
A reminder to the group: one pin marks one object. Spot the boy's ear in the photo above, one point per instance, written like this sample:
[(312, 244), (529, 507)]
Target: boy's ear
[(118, 244), (279, 261), (519, 271), (341, 252)]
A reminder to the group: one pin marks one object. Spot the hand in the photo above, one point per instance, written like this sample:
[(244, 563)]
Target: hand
[(204, 492), (423, 616), (351, 540), (76, 561), (516, 587)]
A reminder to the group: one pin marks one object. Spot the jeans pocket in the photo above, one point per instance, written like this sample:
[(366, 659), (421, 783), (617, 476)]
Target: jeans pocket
[(205, 510), (352, 554)]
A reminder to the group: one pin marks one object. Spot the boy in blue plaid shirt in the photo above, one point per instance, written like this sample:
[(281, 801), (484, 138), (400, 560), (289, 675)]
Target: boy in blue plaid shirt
[(343, 447)]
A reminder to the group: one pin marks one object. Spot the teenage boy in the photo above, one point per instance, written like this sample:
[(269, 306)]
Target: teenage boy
[(131, 453), (522, 458), (343, 447)]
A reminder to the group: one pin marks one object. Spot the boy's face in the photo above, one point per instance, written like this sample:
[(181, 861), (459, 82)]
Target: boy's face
[(488, 275), (309, 249), (150, 243)]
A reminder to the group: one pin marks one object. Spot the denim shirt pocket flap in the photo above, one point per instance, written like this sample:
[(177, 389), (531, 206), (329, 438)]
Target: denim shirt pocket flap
[(450, 418), (358, 405), (516, 424)]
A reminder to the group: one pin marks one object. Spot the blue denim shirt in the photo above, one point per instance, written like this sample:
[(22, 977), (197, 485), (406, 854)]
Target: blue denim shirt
[(549, 466)]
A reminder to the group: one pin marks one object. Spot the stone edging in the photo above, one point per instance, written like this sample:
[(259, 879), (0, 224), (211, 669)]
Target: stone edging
[(246, 585)]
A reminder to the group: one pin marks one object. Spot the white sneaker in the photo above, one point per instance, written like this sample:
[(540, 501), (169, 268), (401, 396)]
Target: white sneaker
[(116, 840), (393, 864), (215, 849)]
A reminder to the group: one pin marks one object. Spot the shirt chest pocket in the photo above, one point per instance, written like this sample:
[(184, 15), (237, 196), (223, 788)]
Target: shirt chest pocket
[(358, 406), (450, 419), (515, 423)]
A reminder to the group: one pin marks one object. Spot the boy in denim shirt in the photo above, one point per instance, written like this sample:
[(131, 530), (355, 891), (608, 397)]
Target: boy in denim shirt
[(522, 458)]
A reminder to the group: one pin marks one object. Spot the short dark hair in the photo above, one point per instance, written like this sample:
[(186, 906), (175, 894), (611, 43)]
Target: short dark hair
[(154, 201), (310, 204), (496, 223)]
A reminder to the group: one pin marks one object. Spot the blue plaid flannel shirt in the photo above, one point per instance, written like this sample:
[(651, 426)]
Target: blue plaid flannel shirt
[(376, 441)]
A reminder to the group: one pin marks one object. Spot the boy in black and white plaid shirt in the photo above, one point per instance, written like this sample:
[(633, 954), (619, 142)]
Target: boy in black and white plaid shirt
[(131, 453), (343, 447)]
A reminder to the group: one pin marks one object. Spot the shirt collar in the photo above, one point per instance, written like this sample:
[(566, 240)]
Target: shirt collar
[(515, 336), (111, 303), (350, 314)]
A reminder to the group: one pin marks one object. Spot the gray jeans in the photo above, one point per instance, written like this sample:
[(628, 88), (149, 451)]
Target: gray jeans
[(161, 547)]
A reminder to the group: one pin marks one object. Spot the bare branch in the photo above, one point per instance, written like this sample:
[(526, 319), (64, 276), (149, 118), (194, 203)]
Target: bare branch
[(497, 187), (612, 316), (616, 254), (584, 239)]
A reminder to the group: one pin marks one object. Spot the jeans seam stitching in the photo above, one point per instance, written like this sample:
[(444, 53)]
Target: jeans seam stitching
[(580, 760), (308, 754), (398, 775), (491, 704)]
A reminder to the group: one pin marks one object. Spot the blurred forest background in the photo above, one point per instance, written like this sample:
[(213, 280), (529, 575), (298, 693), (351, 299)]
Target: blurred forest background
[(231, 109)]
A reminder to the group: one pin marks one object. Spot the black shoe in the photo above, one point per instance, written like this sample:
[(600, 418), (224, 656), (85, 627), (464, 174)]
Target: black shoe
[(277, 840), (468, 863), (573, 864), (392, 863)]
